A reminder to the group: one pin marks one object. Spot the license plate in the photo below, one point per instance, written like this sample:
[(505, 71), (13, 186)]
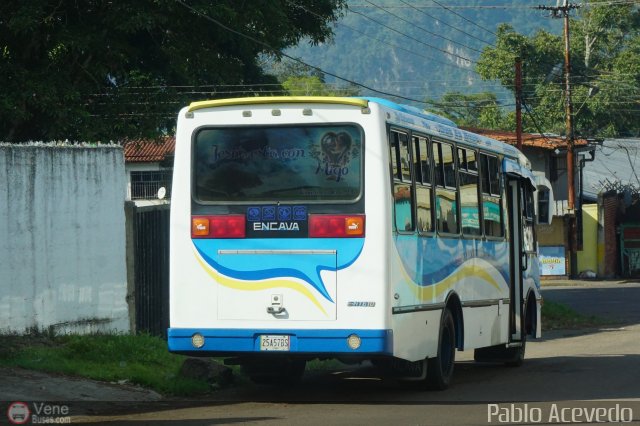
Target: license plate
[(274, 343)]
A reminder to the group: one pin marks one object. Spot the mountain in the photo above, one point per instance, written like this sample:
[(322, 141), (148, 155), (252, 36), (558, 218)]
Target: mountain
[(420, 49)]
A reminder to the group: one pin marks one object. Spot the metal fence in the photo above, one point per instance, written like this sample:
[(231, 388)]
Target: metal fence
[(148, 267), (145, 184)]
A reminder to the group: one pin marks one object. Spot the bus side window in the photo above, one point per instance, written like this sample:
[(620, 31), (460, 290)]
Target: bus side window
[(423, 184), (491, 196), (446, 193), (469, 203), (402, 166)]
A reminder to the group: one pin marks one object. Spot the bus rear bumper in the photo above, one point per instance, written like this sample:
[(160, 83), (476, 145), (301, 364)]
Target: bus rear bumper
[(222, 342)]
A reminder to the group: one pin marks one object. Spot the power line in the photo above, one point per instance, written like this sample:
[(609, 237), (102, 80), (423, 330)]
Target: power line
[(450, 64), (274, 50), (446, 24), (421, 28), (411, 38), (468, 20)]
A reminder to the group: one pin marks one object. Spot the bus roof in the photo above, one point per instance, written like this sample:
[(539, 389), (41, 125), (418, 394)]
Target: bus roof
[(413, 111), (437, 125), (257, 100)]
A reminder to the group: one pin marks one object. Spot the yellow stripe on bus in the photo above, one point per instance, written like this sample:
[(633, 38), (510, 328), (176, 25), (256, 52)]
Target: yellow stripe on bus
[(261, 100), (258, 285)]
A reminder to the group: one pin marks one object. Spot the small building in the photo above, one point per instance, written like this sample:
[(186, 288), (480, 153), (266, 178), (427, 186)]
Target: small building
[(149, 166)]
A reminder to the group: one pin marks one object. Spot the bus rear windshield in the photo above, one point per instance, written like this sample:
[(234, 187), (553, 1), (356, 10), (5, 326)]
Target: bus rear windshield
[(302, 163)]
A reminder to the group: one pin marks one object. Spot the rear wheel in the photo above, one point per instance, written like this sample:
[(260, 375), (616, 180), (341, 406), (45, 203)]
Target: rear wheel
[(440, 368)]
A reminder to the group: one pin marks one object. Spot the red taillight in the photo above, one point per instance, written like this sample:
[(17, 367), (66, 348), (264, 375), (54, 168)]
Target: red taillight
[(225, 226), (336, 226)]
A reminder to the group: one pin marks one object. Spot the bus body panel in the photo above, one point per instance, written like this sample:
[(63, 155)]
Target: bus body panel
[(388, 287), (231, 282)]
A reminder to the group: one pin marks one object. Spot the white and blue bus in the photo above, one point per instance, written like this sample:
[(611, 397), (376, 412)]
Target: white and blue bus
[(348, 228)]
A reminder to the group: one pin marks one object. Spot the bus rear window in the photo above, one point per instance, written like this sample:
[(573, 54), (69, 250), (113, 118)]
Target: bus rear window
[(254, 164)]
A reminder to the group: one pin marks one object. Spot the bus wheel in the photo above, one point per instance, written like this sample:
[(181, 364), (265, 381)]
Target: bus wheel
[(440, 368), (275, 371)]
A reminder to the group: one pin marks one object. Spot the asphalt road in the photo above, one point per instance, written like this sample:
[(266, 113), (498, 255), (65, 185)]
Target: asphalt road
[(568, 373)]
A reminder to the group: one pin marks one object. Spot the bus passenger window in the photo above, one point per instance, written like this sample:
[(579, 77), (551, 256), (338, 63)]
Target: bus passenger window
[(446, 195), (423, 184), (402, 189), (491, 196), (469, 203)]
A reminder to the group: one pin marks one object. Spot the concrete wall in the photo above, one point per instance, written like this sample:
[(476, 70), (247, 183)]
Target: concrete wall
[(62, 238)]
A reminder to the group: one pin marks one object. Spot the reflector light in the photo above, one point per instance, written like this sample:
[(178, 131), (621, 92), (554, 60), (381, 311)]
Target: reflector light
[(336, 226), (223, 226), (199, 227), (197, 340), (354, 341)]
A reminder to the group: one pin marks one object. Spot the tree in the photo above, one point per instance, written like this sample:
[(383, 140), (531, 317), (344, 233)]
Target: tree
[(477, 110), (106, 70), (301, 80), (605, 58)]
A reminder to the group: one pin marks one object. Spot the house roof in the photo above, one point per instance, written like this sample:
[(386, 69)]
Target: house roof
[(528, 139), (149, 150)]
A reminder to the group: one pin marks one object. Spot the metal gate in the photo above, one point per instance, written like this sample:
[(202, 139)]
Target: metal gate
[(148, 267), (630, 249)]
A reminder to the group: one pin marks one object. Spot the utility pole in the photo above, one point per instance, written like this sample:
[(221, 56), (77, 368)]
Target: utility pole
[(519, 103), (563, 11)]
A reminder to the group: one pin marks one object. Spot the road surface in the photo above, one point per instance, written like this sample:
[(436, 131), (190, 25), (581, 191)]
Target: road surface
[(577, 373)]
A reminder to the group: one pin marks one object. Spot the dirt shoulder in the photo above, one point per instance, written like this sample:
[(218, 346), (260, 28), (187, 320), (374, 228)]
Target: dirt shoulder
[(18, 384)]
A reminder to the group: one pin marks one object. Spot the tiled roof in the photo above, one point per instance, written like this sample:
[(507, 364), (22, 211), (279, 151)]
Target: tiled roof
[(148, 150), (528, 139)]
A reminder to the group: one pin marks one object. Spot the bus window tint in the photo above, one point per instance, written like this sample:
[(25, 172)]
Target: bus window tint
[(446, 194), (402, 194), (292, 163), (423, 184), (491, 196), (469, 203)]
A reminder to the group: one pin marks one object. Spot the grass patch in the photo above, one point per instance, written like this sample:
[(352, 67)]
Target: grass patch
[(560, 316), (139, 359)]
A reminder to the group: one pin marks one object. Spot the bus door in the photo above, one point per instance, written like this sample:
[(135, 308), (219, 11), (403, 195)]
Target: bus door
[(522, 241)]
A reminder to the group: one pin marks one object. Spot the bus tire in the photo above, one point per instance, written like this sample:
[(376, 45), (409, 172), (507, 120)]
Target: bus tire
[(440, 368), (275, 371)]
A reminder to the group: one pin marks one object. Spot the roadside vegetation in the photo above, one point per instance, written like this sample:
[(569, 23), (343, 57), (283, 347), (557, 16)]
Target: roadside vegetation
[(134, 359), (144, 360), (560, 316)]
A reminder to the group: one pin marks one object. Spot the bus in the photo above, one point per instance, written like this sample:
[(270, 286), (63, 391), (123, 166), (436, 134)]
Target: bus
[(348, 228)]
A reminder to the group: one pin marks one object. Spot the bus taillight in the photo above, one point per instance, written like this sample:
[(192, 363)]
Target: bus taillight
[(223, 226), (336, 226)]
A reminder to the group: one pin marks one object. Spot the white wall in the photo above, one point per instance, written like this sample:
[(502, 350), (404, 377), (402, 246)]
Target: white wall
[(62, 238)]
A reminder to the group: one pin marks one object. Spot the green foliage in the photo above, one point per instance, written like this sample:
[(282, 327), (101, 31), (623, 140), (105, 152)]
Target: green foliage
[(300, 80), (559, 316), (100, 70), (478, 110), (605, 72), (381, 58), (139, 359)]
